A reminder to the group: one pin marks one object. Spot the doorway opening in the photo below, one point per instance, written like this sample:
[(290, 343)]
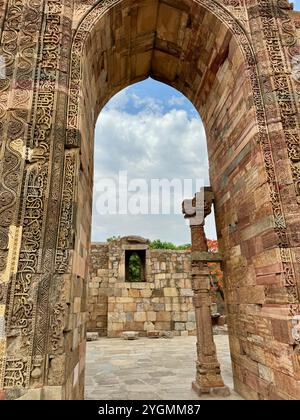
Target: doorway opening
[(139, 285)]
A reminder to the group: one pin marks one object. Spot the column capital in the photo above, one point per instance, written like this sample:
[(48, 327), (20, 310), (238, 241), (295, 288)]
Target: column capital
[(199, 207)]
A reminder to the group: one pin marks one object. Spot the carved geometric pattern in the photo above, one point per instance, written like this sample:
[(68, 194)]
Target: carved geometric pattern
[(57, 327), (284, 90), (2, 326), (8, 132), (237, 7), (64, 240), (24, 287), (2, 361), (42, 321), (285, 101), (16, 373), (3, 290), (23, 298)]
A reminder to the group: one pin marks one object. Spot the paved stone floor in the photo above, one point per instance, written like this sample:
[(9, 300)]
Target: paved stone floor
[(156, 369)]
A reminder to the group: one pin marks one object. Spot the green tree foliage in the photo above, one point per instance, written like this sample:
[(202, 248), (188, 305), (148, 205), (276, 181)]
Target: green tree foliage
[(135, 268), (158, 244), (113, 238)]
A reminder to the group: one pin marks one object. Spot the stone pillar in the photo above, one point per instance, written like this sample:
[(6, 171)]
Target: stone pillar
[(208, 375)]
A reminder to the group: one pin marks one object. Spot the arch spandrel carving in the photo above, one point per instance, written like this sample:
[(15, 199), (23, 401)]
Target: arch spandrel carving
[(42, 188)]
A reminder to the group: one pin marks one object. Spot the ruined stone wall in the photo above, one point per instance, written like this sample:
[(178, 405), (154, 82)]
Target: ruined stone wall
[(164, 302)]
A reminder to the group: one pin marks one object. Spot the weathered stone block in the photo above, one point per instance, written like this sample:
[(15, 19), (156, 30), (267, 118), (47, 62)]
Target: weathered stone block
[(287, 384), (163, 316), (191, 316), (128, 307), (190, 326), (116, 326), (52, 393), (140, 316), (151, 316), (282, 330), (266, 373), (130, 335), (92, 336), (179, 326), (186, 292), (77, 305), (149, 326), (134, 293), (146, 293), (153, 334), (158, 307), (170, 291)]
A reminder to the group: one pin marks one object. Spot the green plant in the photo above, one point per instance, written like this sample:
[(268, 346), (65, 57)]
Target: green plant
[(135, 267), (113, 238), (158, 244)]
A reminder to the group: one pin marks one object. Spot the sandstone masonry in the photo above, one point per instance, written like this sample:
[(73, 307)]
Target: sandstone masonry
[(163, 302), (237, 61)]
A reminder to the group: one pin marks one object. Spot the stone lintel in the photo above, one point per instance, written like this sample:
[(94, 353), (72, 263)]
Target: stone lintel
[(135, 239), (138, 247)]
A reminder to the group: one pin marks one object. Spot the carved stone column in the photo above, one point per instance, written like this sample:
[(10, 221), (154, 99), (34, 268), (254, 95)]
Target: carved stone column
[(208, 375)]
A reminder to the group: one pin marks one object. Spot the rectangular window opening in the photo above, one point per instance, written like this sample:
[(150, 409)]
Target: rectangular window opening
[(135, 265)]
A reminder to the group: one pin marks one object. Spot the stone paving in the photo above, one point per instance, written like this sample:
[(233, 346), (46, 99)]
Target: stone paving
[(156, 369)]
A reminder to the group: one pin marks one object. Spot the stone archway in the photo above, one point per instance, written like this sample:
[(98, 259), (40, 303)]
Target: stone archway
[(64, 60)]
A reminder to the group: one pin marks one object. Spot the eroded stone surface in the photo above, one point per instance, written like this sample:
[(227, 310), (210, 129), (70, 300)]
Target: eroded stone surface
[(92, 336), (208, 373), (130, 335)]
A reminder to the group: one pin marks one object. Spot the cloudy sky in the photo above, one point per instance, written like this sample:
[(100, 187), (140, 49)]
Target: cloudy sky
[(146, 132), (154, 133)]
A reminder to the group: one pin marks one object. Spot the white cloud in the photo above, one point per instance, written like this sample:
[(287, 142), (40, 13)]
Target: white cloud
[(149, 104), (119, 101), (151, 144), (176, 101)]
